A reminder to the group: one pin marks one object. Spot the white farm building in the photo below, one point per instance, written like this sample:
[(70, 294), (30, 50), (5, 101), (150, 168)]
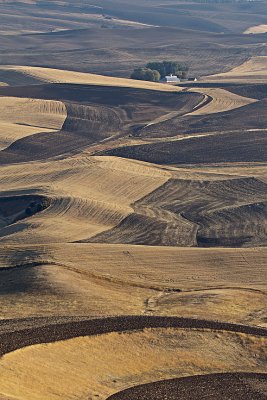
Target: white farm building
[(171, 79)]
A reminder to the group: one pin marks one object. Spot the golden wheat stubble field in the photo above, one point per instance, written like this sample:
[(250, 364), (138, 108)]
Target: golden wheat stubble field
[(133, 237)]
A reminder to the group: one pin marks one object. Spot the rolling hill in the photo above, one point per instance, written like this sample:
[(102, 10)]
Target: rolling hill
[(133, 215)]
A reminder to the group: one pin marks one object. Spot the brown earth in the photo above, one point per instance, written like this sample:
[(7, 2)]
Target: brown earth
[(51, 332), (223, 386), (228, 147)]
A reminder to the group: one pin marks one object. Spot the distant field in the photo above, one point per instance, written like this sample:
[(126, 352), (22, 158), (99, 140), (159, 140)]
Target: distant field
[(253, 70), (257, 29), (105, 38)]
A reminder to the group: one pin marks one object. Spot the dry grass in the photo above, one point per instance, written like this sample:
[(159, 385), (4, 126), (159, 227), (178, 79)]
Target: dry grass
[(25, 117), (81, 206), (93, 279)]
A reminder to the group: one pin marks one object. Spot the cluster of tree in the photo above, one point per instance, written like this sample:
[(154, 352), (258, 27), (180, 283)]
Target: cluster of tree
[(146, 74), (154, 71), (169, 67)]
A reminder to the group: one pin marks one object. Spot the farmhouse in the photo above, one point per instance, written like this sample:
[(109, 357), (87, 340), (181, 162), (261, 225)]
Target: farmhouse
[(171, 79)]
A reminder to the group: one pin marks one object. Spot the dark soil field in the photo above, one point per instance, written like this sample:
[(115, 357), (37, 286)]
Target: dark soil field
[(53, 332), (253, 91), (221, 387), (220, 148), (251, 116)]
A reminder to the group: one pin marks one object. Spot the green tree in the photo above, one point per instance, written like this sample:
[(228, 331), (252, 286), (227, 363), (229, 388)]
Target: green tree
[(146, 74), (156, 75), (158, 66)]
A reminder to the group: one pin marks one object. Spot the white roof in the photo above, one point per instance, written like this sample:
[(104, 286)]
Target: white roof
[(172, 78)]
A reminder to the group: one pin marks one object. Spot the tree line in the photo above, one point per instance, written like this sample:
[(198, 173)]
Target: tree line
[(156, 70)]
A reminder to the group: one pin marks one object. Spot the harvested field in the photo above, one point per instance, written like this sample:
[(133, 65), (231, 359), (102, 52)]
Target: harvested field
[(184, 213), (133, 214), (156, 210), (22, 117), (92, 114), (222, 100), (79, 206)]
